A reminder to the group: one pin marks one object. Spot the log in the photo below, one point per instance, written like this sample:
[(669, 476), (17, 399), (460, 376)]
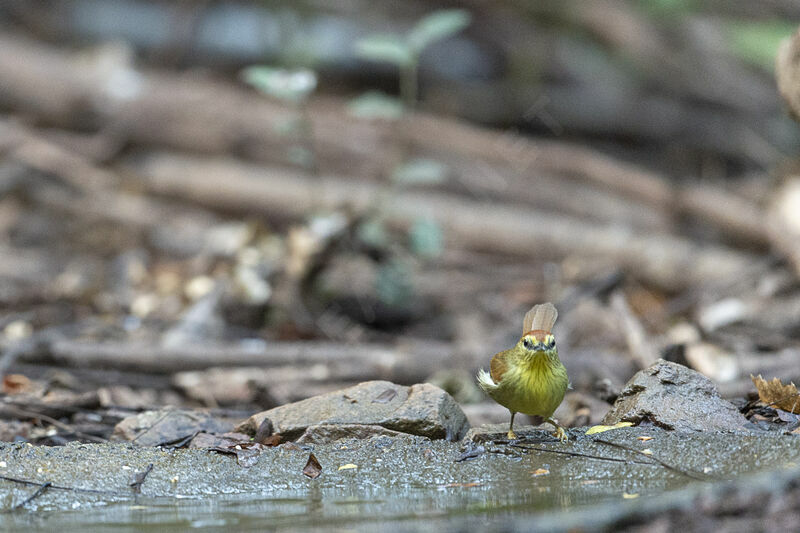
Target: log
[(188, 112), (403, 362), (665, 260)]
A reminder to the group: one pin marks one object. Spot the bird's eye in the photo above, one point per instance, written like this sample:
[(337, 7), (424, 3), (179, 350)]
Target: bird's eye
[(552, 343), (528, 344)]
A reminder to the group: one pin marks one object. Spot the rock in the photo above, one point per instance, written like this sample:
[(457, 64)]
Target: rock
[(324, 433), (673, 396), (421, 409), (166, 426)]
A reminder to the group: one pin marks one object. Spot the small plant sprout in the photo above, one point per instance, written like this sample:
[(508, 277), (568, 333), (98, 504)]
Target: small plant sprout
[(293, 87), (404, 51)]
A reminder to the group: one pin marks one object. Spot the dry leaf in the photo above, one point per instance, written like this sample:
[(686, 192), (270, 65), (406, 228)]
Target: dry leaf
[(348, 466), (540, 472), (272, 440), (647, 451), (776, 394), (644, 438), (599, 429), (16, 384), (312, 469)]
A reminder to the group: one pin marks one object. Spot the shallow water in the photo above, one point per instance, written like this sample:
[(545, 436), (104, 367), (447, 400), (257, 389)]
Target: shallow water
[(406, 483)]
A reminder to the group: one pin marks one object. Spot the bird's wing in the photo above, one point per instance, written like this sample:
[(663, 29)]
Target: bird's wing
[(540, 317), (498, 366)]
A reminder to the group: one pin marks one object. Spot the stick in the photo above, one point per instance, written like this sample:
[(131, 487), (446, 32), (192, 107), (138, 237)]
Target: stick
[(33, 496), (140, 478)]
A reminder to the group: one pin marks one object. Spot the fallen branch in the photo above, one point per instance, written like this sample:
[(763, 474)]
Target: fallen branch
[(662, 259), (405, 362)]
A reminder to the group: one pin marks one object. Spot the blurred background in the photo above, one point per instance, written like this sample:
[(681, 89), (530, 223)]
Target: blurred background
[(238, 204)]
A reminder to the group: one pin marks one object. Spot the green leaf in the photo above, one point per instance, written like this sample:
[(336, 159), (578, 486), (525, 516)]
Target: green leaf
[(389, 48), (437, 26), (291, 85), (425, 238), (420, 172), (757, 42), (393, 283), (288, 127), (376, 105), (301, 156), (372, 232)]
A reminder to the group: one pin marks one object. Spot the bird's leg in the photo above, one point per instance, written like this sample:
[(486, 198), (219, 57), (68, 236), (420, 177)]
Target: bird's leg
[(560, 434), (511, 434)]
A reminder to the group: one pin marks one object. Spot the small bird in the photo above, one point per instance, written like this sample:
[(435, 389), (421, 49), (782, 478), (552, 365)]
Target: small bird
[(529, 378)]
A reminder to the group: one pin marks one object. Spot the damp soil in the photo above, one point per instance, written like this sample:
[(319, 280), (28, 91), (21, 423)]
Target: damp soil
[(408, 482)]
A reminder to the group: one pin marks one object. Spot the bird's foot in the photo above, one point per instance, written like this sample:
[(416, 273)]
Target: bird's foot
[(559, 433), (511, 435)]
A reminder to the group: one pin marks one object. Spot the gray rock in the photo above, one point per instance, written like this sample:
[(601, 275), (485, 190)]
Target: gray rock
[(673, 396), (166, 426), (325, 433), (421, 409)]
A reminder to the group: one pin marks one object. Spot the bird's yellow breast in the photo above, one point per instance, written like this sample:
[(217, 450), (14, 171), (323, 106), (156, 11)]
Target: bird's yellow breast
[(532, 384)]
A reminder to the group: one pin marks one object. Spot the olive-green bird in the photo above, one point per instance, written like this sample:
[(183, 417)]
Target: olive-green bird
[(529, 378)]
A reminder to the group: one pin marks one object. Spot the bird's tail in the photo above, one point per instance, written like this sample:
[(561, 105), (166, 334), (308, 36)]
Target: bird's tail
[(485, 380)]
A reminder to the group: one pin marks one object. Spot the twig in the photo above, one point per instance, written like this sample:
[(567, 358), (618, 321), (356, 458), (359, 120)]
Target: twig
[(586, 455), (693, 475), (140, 478), (33, 496), (59, 487), (53, 421)]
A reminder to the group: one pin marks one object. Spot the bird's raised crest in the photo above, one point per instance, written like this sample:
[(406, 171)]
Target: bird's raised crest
[(540, 317)]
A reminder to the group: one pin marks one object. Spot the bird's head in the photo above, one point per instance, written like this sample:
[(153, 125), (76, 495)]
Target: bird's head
[(538, 341)]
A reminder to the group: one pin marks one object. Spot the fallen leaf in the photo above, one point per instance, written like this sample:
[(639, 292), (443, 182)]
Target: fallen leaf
[(599, 429), (226, 440), (647, 451), (644, 438), (348, 466), (246, 453), (628, 496), (386, 396), (312, 469), (16, 383), (776, 394), (272, 440), (264, 431), (540, 472)]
